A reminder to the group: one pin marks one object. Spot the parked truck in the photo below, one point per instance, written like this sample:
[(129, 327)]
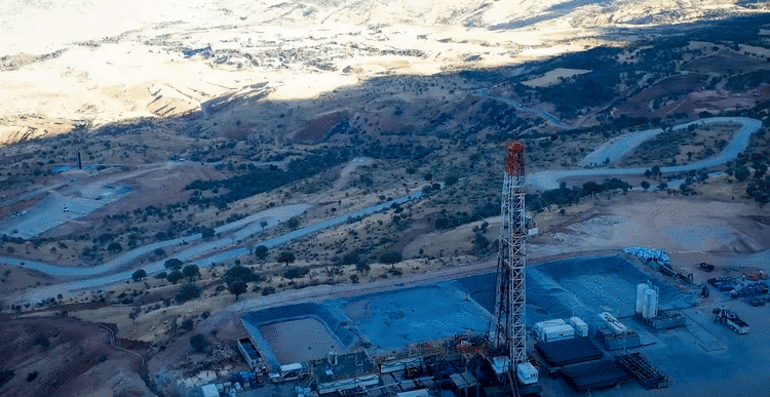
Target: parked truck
[(729, 318)]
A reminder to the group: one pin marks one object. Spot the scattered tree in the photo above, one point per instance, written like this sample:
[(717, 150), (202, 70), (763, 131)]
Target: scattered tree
[(161, 275), (260, 252), (267, 291), (655, 170), (350, 259), (645, 185), (296, 273), (450, 180), (293, 222), (32, 375), (115, 247), (237, 288), (207, 233), (287, 257), (191, 272), (188, 292), (362, 267), (263, 223), (174, 276), (742, 173), (6, 375), (198, 342), (187, 325), (173, 264), (139, 275), (392, 257)]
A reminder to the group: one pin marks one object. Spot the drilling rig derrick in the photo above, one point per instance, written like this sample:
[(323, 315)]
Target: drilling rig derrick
[(507, 333)]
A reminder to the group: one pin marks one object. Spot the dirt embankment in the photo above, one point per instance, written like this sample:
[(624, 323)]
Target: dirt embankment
[(64, 356)]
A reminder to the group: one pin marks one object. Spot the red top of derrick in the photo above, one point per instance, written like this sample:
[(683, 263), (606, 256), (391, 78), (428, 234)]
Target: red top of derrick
[(514, 162)]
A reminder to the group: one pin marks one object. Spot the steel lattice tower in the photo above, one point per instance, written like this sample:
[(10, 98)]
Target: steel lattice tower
[(508, 332)]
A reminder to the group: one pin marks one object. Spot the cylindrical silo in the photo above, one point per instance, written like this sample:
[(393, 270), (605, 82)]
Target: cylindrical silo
[(650, 304), (640, 290)]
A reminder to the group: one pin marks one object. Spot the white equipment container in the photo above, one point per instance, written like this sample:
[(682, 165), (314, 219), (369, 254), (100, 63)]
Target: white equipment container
[(650, 304), (210, 391), (543, 324), (526, 373), (581, 328), (557, 332), (616, 326), (640, 290), (500, 365)]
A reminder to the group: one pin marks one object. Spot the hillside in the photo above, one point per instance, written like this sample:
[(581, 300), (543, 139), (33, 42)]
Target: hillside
[(70, 64)]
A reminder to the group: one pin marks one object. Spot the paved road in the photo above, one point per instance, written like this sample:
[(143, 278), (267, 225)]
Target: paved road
[(518, 105), (545, 180), (68, 288)]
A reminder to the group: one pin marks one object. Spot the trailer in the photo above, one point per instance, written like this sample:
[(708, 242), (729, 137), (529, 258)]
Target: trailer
[(729, 318)]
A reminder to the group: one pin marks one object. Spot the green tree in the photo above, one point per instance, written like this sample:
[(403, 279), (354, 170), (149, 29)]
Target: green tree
[(207, 233), (267, 291), (293, 222), (188, 292), (287, 257), (350, 259), (6, 375), (115, 247), (237, 288), (451, 180), (173, 264), (645, 185), (296, 273), (742, 173), (655, 170), (187, 325), (139, 275), (161, 275), (260, 252), (198, 342), (174, 276), (159, 252), (362, 267), (391, 257), (240, 273), (191, 272)]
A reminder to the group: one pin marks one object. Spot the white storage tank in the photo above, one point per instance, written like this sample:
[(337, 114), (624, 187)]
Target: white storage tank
[(640, 290), (527, 373), (580, 326), (612, 322), (543, 324), (650, 304), (556, 333)]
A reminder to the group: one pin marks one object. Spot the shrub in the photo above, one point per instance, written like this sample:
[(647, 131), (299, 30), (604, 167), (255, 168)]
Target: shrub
[(174, 276), (237, 288), (6, 375), (188, 292), (391, 257), (260, 252), (187, 325), (198, 342), (267, 291), (139, 275)]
